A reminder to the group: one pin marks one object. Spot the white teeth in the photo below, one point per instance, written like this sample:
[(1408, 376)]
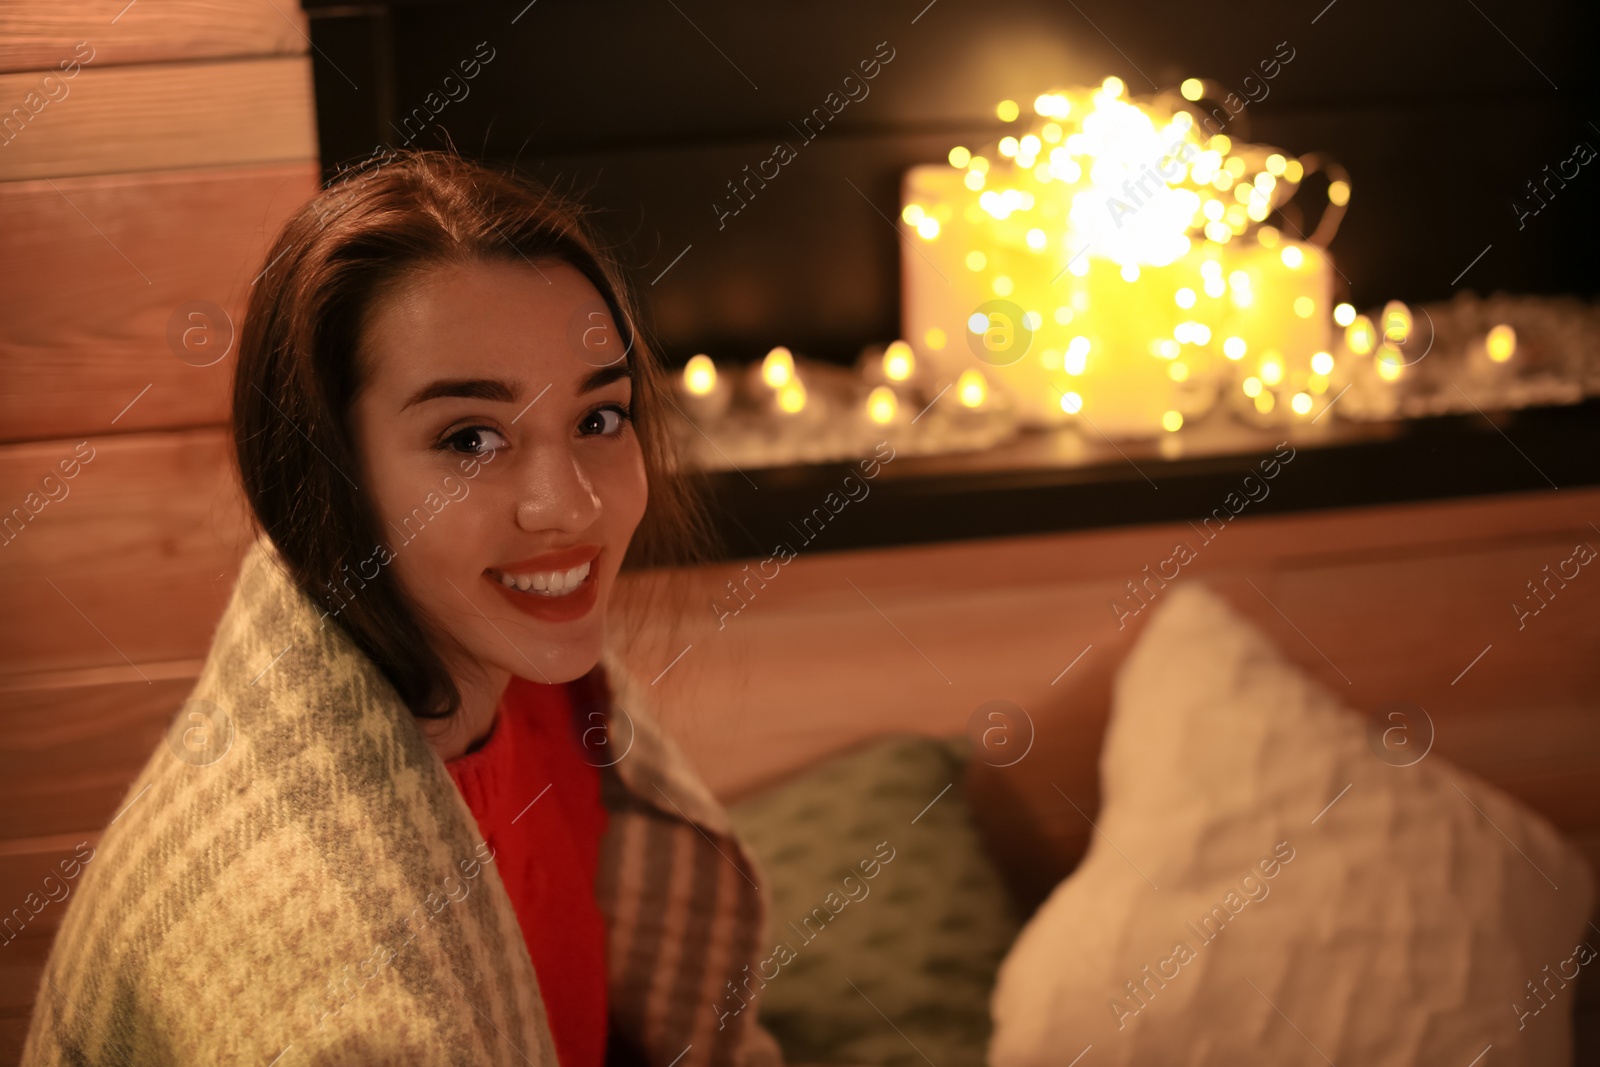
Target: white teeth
[(550, 583)]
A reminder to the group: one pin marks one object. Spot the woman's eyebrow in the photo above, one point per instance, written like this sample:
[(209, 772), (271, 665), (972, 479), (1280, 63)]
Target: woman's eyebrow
[(498, 389)]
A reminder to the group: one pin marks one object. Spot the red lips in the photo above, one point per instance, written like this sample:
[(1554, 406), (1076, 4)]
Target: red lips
[(565, 608)]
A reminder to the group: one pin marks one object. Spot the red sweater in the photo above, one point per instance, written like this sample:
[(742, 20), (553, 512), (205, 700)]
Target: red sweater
[(537, 802)]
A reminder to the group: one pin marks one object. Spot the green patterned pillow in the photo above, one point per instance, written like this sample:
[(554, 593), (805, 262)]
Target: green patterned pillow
[(887, 921)]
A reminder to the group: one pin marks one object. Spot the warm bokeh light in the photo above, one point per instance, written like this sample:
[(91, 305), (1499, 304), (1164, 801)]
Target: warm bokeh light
[(777, 369), (792, 396), (1501, 343), (1118, 219), (700, 375), (972, 388), (1359, 336), (881, 405), (898, 361)]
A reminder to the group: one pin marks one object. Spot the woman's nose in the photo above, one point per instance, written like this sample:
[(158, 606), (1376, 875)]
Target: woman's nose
[(557, 492)]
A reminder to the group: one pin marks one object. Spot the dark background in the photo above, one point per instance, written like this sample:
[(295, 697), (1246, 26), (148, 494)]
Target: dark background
[(646, 110)]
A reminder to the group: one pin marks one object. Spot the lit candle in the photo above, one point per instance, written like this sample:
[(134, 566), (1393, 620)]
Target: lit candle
[(703, 394), (1111, 262)]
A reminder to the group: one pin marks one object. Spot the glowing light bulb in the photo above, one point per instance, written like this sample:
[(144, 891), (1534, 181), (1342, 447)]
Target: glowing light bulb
[(1359, 336), (1071, 403), (1304, 306), (881, 404), (1301, 403), (1339, 193), (700, 375), (1322, 363), (1192, 89), (1269, 236), (1276, 164), (1178, 372), (971, 387), (1293, 171), (928, 227), (1390, 364), (1234, 348), (1003, 285), (1265, 401), (1113, 86), (976, 260), (1501, 343), (1272, 370), (1007, 110), (960, 157), (898, 361), (1251, 386), (1130, 272), (1171, 421), (1008, 146), (1036, 239), (912, 214), (1292, 256), (1185, 297), (1344, 314), (935, 338)]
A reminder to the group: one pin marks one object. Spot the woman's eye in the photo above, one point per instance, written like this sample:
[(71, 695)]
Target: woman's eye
[(479, 440), (620, 416)]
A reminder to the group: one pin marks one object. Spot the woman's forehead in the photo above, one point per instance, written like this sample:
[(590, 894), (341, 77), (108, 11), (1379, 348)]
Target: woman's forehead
[(486, 319)]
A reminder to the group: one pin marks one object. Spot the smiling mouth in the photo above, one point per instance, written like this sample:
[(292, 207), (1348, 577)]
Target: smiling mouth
[(549, 585)]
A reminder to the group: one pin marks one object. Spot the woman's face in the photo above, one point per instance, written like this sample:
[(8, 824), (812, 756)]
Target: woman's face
[(495, 447)]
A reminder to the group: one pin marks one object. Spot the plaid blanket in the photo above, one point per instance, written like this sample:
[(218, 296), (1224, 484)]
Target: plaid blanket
[(320, 893)]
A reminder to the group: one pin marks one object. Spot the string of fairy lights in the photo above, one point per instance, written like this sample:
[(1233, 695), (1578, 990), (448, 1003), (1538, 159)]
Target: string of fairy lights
[(1108, 260)]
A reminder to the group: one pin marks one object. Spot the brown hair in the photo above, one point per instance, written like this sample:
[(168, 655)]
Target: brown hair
[(298, 372)]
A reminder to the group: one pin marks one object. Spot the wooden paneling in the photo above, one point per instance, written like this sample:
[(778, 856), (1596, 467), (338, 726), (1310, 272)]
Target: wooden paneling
[(71, 751), (23, 869), (163, 117), (38, 36), (840, 648), (132, 565), (93, 272)]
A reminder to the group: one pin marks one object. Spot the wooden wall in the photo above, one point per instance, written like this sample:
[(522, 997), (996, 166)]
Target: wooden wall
[(146, 175)]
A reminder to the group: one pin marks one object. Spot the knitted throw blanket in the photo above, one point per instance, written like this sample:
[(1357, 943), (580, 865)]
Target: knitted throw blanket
[(320, 894)]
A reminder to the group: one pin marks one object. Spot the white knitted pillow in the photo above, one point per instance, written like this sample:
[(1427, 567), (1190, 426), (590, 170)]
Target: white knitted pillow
[(1263, 888)]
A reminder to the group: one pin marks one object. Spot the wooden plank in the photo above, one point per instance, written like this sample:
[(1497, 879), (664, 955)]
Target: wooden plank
[(71, 752), (98, 270), (38, 36), (1022, 608), (132, 564), (25, 944), (162, 117)]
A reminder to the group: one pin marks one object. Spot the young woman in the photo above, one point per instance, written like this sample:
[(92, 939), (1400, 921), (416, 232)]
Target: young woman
[(415, 811)]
